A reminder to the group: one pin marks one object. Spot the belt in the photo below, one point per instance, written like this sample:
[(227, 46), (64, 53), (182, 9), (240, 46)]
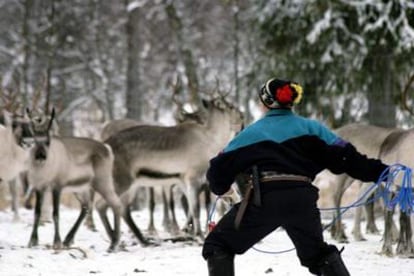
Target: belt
[(265, 176), (273, 176)]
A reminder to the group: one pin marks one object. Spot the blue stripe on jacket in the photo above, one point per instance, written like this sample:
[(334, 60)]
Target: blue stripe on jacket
[(267, 129)]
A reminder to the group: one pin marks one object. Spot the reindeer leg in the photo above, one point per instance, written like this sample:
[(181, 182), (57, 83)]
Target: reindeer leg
[(57, 243), (356, 231), (34, 240), (166, 221), (207, 198), (370, 212), (117, 208), (71, 234), (84, 200), (28, 198), (14, 187), (409, 236), (358, 213), (194, 205), (188, 226), (337, 230), (387, 245), (130, 222), (90, 222), (102, 208), (405, 245), (151, 207), (174, 224)]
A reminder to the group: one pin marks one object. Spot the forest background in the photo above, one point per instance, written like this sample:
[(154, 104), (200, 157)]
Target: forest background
[(101, 60)]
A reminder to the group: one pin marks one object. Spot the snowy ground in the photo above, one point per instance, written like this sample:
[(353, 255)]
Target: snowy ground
[(168, 259)]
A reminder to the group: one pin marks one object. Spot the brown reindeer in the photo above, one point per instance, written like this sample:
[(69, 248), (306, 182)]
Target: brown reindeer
[(169, 217), (80, 163), (181, 151), (170, 224)]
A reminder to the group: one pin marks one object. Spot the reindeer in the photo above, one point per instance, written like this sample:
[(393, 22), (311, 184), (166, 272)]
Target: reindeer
[(13, 158), (21, 131), (61, 162), (171, 225), (181, 151), (368, 140), (393, 147), (181, 116), (18, 126), (397, 148)]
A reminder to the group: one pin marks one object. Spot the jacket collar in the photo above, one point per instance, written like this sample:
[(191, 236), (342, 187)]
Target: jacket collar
[(278, 112)]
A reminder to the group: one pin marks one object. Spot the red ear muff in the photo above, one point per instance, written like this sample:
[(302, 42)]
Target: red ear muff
[(284, 95)]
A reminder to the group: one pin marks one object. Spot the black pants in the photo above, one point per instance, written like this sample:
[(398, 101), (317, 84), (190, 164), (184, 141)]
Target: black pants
[(291, 205)]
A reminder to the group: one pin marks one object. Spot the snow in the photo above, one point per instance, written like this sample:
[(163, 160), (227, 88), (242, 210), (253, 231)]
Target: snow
[(89, 256)]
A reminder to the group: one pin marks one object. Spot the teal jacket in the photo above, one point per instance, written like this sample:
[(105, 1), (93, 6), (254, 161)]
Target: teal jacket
[(287, 143)]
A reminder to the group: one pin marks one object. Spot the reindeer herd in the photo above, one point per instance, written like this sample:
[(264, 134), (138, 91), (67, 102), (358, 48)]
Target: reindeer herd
[(132, 155)]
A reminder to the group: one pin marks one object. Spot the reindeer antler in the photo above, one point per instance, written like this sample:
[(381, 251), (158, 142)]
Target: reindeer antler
[(10, 101), (176, 89), (38, 93), (404, 95)]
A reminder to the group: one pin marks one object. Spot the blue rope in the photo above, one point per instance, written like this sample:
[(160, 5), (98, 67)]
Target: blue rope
[(403, 196)]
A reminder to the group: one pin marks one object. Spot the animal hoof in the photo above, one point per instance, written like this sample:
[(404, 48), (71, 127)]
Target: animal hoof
[(67, 244), (57, 246), (150, 242), (111, 249), (33, 243)]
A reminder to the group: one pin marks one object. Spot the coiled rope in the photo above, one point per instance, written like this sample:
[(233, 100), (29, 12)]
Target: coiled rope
[(401, 195)]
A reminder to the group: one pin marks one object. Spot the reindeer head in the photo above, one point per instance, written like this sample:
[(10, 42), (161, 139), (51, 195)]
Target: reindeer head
[(183, 116), (40, 126), (219, 101)]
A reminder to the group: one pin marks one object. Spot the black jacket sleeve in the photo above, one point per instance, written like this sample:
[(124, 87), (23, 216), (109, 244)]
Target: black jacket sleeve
[(349, 160), (221, 173)]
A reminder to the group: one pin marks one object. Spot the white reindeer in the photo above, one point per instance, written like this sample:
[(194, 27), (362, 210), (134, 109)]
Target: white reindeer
[(12, 155), (397, 148), (13, 158), (368, 140), (391, 146), (81, 163), (181, 151)]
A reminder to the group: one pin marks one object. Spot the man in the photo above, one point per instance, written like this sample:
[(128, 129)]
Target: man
[(282, 152)]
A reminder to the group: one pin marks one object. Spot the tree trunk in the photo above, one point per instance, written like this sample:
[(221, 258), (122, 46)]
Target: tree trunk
[(185, 55), (381, 110), (133, 96), (26, 51), (236, 46)]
